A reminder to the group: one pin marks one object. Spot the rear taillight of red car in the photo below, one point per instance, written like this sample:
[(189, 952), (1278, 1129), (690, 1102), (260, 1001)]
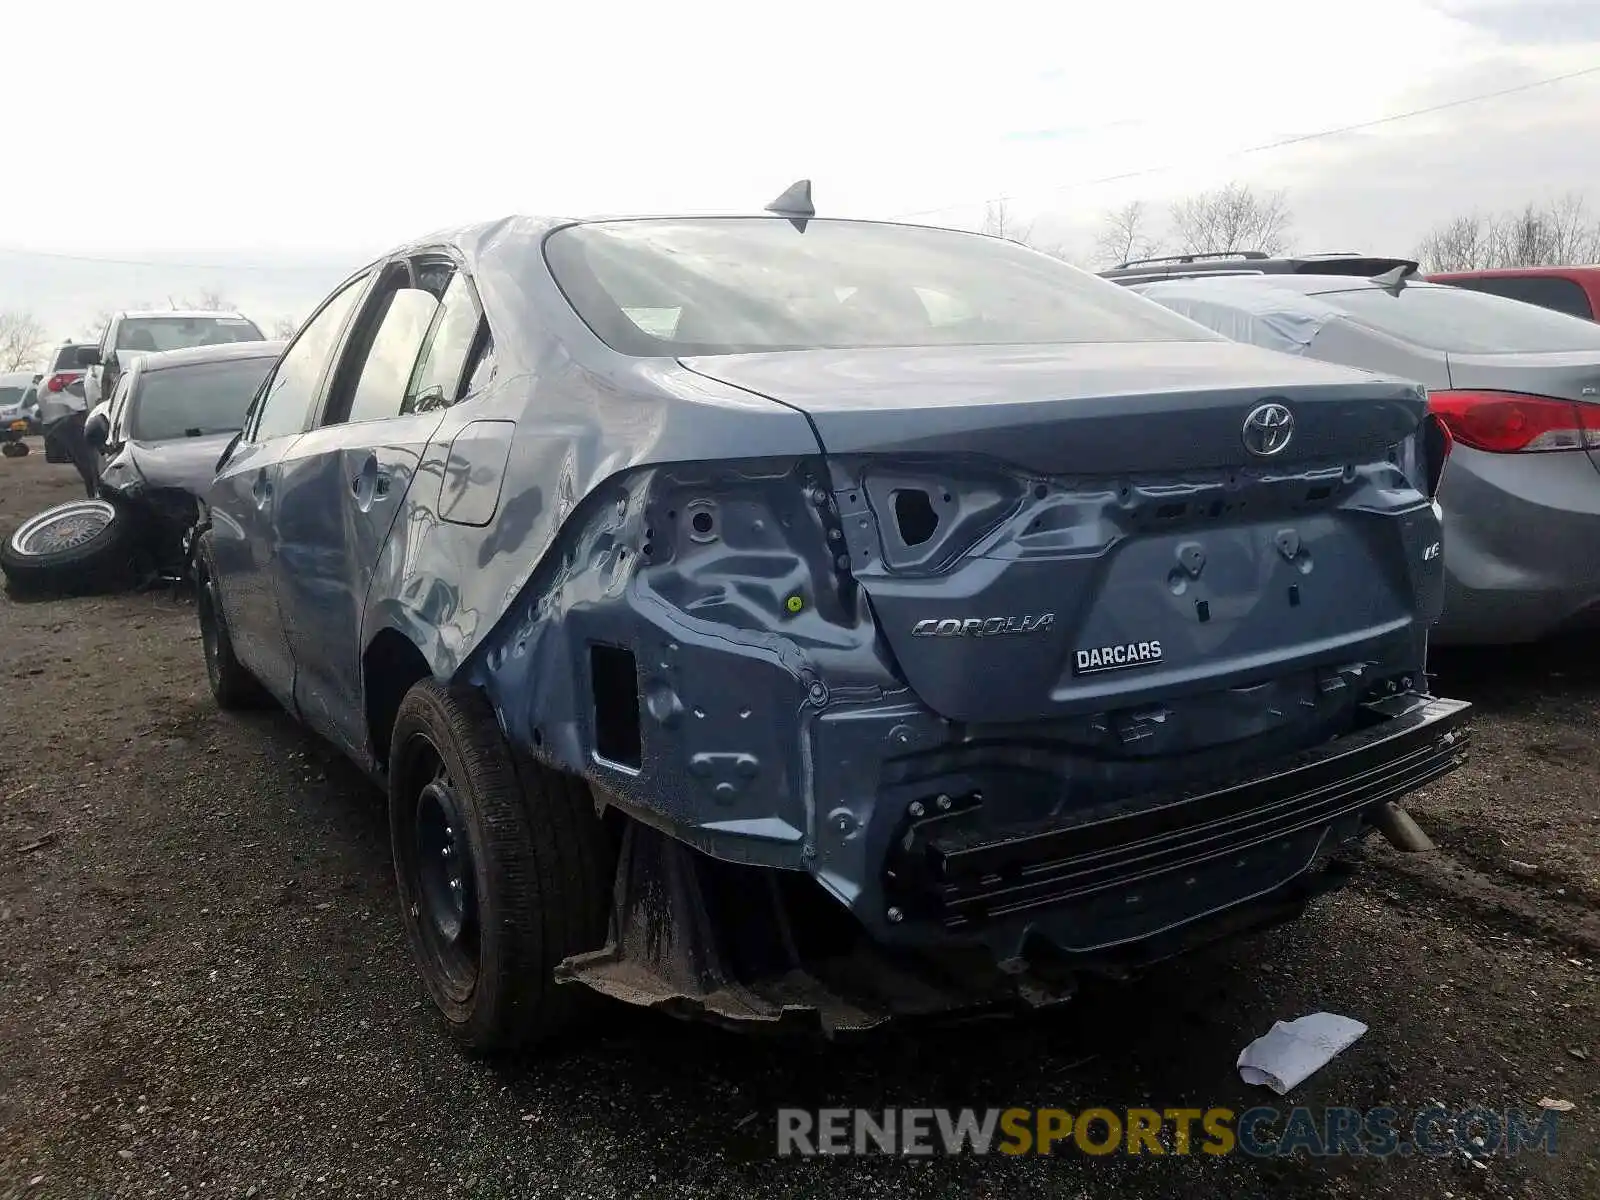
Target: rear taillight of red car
[(1514, 423), (61, 380)]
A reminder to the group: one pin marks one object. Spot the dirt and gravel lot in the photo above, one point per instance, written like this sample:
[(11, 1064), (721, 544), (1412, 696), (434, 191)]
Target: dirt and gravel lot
[(204, 991)]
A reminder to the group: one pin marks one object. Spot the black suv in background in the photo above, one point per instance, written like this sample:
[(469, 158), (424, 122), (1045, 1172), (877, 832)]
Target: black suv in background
[(1252, 262)]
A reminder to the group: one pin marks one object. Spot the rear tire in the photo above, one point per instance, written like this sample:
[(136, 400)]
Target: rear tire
[(72, 549), (54, 451), (232, 684), (501, 865)]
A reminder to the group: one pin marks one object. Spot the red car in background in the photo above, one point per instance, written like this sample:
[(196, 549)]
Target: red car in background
[(1574, 290)]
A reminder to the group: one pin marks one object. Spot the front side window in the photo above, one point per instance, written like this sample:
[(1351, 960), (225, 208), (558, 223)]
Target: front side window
[(119, 404), (194, 400), (148, 335), (293, 386), (1464, 322), (733, 285)]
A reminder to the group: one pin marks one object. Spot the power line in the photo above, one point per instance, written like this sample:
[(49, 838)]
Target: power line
[(1277, 145), (279, 268), (1280, 144)]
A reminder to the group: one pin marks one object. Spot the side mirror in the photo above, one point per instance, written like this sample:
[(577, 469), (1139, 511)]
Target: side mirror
[(95, 431), (88, 356)]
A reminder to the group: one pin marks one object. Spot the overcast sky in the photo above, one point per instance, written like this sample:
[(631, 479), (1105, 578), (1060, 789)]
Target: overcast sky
[(306, 139)]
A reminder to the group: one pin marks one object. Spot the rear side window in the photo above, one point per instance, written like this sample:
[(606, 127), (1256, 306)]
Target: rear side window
[(381, 387), (734, 285), (438, 374), (1547, 291), (1464, 322)]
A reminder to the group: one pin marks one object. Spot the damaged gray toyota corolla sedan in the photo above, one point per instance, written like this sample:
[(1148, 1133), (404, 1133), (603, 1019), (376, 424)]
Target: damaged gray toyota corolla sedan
[(774, 618)]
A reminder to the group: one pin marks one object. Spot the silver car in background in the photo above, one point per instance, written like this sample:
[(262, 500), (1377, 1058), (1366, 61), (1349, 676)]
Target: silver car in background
[(129, 334), (1517, 386)]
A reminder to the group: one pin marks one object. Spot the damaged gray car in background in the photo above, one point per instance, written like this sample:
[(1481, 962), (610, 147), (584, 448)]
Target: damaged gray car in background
[(799, 621)]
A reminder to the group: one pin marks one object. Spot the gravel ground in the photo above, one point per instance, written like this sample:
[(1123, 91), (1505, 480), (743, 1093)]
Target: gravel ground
[(204, 990)]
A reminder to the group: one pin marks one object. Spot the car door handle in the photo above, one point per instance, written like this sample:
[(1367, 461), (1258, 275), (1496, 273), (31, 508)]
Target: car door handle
[(261, 490), (379, 488)]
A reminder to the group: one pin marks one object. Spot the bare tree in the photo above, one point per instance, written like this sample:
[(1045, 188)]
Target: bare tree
[(1460, 244), (1126, 233), (1230, 219), (1555, 234), (284, 328), (21, 335), (209, 300), (94, 329), (1574, 235), (998, 222)]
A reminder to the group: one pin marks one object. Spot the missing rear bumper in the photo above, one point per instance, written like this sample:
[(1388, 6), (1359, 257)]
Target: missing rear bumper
[(1008, 920)]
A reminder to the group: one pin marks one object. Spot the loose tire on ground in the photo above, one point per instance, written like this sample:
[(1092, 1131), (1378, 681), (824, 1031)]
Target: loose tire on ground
[(72, 549), (535, 888), (232, 684), (15, 449)]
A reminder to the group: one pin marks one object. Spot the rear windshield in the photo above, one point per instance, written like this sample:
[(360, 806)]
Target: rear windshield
[(177, 333), (733, 285), (10, 396), (196, 400), (66, 359), (1465, 322)]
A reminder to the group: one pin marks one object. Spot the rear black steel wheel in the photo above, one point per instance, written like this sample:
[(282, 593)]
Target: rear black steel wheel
[(502, 868)]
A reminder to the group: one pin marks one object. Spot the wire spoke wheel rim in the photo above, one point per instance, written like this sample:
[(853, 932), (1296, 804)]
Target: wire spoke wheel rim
[(63, 528)]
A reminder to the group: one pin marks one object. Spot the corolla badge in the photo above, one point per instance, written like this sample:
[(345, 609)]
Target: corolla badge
[(982, 626), (1267, 429)]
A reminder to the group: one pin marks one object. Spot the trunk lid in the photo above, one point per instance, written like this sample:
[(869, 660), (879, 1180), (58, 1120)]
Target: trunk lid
[(1104, 408), (1563, 375), (1079, 533)]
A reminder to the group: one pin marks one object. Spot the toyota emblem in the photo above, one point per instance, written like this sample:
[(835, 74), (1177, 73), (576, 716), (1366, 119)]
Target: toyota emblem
[(1267, 429)]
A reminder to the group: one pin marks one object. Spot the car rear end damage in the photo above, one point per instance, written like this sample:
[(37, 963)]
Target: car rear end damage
[(1051, 660)]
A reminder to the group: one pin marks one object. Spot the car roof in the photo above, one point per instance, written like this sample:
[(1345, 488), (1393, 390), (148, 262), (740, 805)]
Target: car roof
[(191, 355), (15, 378), (1253, 262), (511, 234), (185, 314), (1306, 285), (1518, 272)]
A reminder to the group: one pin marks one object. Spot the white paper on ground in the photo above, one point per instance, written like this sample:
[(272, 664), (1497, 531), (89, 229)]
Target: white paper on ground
[(1291, 1051)]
